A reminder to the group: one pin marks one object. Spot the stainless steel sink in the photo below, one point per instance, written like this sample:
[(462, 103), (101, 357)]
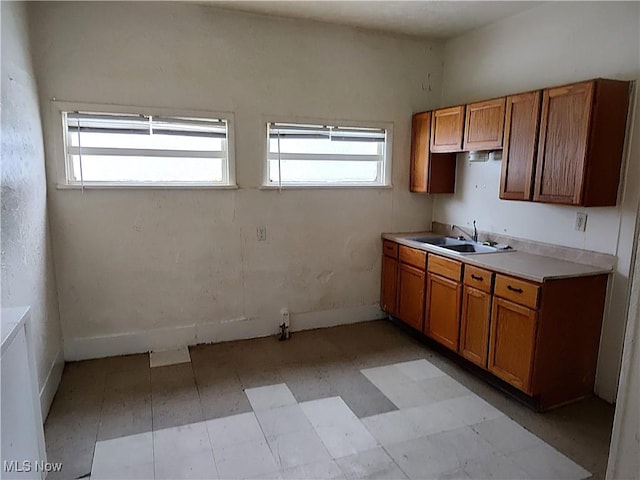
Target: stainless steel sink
[(454, 245)]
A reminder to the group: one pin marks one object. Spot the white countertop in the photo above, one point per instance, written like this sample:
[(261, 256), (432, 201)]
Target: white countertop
[(537, 268)]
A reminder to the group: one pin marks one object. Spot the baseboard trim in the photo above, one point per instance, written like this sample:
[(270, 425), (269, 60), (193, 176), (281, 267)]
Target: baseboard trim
[(50, 387), (84, 348)]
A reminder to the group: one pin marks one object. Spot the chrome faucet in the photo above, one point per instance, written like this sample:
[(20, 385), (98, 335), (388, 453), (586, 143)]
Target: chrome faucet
[(473, 237)]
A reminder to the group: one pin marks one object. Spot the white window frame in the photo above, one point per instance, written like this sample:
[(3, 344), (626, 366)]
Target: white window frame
[(64, 170), (384, 170)]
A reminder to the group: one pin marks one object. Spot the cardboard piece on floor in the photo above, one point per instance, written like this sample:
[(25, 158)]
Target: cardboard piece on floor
[(169, 357)]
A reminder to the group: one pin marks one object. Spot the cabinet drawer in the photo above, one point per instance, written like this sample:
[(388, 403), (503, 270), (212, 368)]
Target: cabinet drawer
[(390, 249), (518, 291), (445, 267), (412, 256), (478, 278)]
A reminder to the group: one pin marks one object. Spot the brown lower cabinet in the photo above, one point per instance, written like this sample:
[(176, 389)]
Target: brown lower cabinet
[(542, 338)]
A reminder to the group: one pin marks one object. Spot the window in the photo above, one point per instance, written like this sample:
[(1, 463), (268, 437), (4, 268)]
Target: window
[(133, 149), (324, 155)]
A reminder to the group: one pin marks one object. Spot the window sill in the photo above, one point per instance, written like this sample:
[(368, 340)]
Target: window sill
[(145, 186), (325, 187)]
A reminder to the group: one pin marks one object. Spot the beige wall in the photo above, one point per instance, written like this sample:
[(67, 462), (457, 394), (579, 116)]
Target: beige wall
[(27, 267), (170, 266), (552, 44)]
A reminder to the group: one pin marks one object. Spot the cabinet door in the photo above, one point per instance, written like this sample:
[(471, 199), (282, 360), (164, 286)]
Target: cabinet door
[(442, 319), (484, 123), (522, 119), (511, 343), (430, 172), (474, 328), (410, 307), (562, 146), (388, 285), (446, 131)]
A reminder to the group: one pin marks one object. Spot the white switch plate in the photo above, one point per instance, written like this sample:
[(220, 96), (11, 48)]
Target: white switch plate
[(581, 221)]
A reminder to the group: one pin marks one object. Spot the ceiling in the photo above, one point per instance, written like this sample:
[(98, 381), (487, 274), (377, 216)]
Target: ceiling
[(426, 18)]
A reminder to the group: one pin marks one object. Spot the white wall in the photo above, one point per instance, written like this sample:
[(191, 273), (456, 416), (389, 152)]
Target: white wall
[(143, 261), (559, 42), (27, 267)]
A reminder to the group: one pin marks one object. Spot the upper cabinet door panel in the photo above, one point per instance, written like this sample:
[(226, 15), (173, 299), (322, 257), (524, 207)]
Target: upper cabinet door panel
[(446, 131), (522, 119), (562, 145), (484, 124), (421, 128)]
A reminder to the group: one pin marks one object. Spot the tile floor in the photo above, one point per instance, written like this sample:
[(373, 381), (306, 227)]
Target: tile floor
[(358, 401)]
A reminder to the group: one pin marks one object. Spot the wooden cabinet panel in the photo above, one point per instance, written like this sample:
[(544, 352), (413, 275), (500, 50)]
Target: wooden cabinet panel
[(413, 256), (446, 131), (564, 130), (429, 172), (388, 285), (511, 343), (484, 123), (442, 319), (582, 130), (522, 120), (478, 278), (445, 267), (474, 326), (411, 285), (518, 291), (390, 249)]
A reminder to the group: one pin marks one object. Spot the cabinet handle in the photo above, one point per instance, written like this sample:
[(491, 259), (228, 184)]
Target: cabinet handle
[(517, 290), (475, 277)]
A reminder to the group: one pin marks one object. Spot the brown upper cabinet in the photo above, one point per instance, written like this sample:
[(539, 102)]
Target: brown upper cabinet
[(484, 124), (446, 131), (430, 172), (521, 124), (582, 130)]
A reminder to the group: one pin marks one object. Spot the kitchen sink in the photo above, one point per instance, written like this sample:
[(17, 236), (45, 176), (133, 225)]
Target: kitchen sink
[(470, 248), (455, 245)]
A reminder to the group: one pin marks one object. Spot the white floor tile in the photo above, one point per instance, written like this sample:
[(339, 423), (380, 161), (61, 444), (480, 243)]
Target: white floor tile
[(270, 396), (434, 418), (386, 376), (505, 435), (419, 369), (298, 448), (227, 431), (327, 411), (545, 462), (245, 460), (423, 458), (169, 357), (465, 443), (425, 392), (375, 463), (471, 409), (128, 457), (328, 470), (277, 421), (391, 427), (347, 439), (495, 467), (183, 452)]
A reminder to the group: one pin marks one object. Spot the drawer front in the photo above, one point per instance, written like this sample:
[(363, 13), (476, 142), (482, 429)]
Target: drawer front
[(518, 291), (412, 256), (478, 278), (390, 249), (445, 267)]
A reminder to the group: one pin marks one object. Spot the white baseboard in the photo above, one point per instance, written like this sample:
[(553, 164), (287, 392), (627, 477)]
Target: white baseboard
[(83, 348), (50, 387)]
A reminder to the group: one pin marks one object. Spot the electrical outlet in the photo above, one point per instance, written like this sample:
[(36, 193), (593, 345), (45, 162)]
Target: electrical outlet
[(581, 221), (262, 234)]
